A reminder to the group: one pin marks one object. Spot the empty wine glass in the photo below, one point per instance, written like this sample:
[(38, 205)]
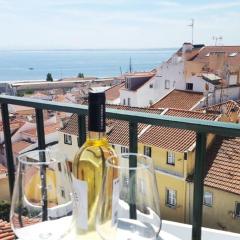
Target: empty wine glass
[(129, 206), (42, 198)]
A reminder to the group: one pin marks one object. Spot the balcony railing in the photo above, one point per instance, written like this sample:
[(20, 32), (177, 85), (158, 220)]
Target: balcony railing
[(201, 127)]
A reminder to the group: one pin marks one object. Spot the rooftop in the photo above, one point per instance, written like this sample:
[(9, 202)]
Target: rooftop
[(114, 126), (225, 108), (228, 52), (3, 170), (6, 233), (17, 147), (174, 139), (224, 162), (47, 130), (179, 99), (113, 92)]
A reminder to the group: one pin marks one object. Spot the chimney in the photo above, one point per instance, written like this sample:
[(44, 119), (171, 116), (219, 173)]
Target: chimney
[(217, 60), (186, 50)]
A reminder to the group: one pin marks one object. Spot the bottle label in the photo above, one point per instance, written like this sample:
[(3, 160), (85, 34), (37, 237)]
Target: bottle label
[(115, 199), (80, 190)]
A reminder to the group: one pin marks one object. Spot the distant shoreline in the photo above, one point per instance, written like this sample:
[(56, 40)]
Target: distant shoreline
[(89, 49)]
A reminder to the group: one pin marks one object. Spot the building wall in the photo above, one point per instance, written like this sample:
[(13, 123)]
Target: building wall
[(220, 215), (165, 182), (4, 192), (69, 150), (159, 157)]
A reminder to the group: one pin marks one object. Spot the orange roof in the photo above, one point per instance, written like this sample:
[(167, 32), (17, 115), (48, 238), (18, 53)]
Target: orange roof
[(168, 138), (226, 107), (47, 130), (173, 139), (17, 147), (179, 99), (224, 165), (227, 50), (115, 126), (114, 92), (6, 233), (3, 169), (18, 108), (15, 124)]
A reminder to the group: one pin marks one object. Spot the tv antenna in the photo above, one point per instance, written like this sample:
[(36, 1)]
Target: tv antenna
[(130, 65), (192, 26), (217, 39)]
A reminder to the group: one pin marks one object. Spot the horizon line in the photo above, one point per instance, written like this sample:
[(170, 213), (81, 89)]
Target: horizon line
[(87, 49)]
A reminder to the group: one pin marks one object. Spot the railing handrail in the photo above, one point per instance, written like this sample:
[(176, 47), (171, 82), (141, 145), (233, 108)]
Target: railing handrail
[(201, 127), (197, 125)]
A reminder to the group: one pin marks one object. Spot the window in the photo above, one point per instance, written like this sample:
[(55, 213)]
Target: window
[(171, 158), (208, 199), (124, 101), (171, 200), (129, 101), (237, 209), (124, 150), (233, 54), (147, 151), (167, 84), (151, 85), (67, 139), (189, 86), (59, 167)]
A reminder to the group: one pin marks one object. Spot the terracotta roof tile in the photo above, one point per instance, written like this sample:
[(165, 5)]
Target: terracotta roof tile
[(14, 124), (179, 99), (6, 232), (17, 147), (225, 107), (224, 165), (114, 92), (47, 130), (3, 170), (173, 139), (168, 138), (114, 126), (231, 60)]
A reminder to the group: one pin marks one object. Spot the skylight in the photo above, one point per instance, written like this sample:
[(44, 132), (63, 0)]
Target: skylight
[(232, 54)]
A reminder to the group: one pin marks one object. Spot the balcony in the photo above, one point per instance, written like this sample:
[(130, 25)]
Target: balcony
[(201, 127)]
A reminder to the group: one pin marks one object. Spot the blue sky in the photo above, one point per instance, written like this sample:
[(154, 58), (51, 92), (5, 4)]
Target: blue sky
[(69, 24)]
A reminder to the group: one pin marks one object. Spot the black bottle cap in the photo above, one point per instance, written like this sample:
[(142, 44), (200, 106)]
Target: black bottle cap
[(96, 112)]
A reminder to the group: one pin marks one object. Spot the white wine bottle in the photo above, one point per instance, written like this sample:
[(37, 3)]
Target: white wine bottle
[(88, 165)]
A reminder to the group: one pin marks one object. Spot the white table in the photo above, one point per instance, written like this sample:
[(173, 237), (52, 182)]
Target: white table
[(170, 231)]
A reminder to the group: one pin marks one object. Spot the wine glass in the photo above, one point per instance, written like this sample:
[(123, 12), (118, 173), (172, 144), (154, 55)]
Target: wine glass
[(129, 206), (42, 202)]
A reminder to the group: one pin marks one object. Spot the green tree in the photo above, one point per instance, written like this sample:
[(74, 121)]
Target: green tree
[(81, 75), (49, 77), (4, 210)]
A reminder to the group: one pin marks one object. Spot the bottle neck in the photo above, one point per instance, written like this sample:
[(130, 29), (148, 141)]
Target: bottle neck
[(96, 135)]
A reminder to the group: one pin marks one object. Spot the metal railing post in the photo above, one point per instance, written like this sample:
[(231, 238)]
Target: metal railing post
[(198, 185), (133, 148), (8, 146), (42, 157), (81, 130)]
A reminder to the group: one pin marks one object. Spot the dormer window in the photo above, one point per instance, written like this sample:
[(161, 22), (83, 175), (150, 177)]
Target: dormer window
[(233, 54)]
